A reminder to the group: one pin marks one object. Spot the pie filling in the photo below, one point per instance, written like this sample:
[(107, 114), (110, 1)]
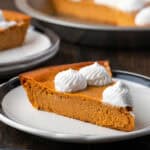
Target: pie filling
[(83, 91)]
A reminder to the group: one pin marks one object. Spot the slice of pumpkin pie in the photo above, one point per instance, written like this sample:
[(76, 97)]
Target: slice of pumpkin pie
[(123, 13), (13, 28), (83, 91)]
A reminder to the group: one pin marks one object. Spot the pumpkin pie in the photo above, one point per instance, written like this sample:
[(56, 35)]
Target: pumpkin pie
[(112, 12), (85, 105), (13, 28)]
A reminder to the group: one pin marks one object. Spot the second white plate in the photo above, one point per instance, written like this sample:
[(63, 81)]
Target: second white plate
[(39, 46), (35, 43)]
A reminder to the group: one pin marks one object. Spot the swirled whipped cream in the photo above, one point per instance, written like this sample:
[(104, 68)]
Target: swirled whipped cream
[(143, 17), (130, 5), (96, 75), (124, 5), (69, 81), (117, 95), (4, 24)]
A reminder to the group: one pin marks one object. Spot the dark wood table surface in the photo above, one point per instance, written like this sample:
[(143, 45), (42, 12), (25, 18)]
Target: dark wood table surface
[(134, 60)]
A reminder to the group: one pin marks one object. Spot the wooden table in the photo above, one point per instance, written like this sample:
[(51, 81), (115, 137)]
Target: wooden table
[(132, 60)]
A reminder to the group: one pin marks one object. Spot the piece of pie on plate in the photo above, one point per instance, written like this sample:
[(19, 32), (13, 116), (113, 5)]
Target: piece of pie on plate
[(83, 91), (13, 28), (113, 12)]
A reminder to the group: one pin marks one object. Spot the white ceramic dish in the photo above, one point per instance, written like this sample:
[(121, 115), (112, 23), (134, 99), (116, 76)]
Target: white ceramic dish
[(35, 43), (39, 46), (16, 111)]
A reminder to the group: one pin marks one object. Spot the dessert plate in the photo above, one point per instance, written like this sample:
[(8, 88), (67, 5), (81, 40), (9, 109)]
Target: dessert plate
[(84, 32), (34, 44), (17, 112), (39, 46)]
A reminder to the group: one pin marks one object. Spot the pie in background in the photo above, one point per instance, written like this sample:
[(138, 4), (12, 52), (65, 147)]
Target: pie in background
[(13, 29)]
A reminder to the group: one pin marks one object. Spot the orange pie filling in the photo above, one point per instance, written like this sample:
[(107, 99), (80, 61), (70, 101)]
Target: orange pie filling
[(83, 91)]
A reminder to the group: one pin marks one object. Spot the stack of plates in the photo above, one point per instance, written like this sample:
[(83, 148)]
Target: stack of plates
[(39, 46)]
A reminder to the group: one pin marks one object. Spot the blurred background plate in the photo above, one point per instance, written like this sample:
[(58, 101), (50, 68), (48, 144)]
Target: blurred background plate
[(39, 46), (84, 32)]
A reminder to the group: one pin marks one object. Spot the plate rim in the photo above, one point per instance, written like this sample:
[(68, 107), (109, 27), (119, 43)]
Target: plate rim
[(25, 7), (55, 42), (74, 138), (28, 64)]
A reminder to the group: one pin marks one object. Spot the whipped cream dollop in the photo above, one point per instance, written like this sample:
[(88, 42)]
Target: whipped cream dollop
[(143, 17), (141, 7), (96, 75), (69, 81), (131, 5), (117, 95), (4, 24), (123, 5)]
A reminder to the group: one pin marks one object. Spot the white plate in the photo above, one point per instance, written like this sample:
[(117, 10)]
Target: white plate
[(18, 113), (39, 46), (35, 43)]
